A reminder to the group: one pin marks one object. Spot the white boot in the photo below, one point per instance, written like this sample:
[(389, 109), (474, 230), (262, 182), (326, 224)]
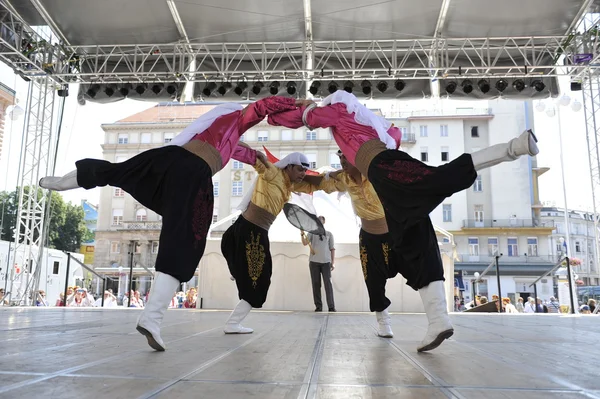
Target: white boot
[(233, 326), (385, 324), (440, 327), (525, 144), (56, 183), (161, 293)]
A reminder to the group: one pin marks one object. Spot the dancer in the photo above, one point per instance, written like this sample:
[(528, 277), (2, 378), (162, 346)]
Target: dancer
[(408, 189), (245, 245), (175, 181)]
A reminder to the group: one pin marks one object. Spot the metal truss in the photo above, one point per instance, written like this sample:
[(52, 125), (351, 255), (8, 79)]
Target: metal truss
[(37, 156)]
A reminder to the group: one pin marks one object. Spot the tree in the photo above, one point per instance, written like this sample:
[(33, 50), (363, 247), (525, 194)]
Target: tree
[(66, 225)]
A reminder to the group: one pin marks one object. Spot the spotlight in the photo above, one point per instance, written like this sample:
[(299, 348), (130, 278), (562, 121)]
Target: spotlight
[(224, 88), (332, 87), (140, 88), (274, 88), (450, 87), (382, 86), (538, 85), (157, 88), (291, 88), (93, 90), (399, 85), (109, 90), (257, 87), (63, 91), (484, 86), (348, 86), (519, 85), (209, 88), (467, 86), (172, 89), (501, 85), (314, 87), (124, 90), (239, 89), (366, 87)]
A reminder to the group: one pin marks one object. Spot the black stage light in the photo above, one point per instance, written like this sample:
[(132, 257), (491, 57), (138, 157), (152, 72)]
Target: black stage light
[(467, 86), (274, 88), (348, 86), (450, 87), (140, 88), (366, 87), (93, 90), (109, 90), (208, 89), (171, 89), (257, 87), (399, 85), (332, 87), (314, 87), (519, 85), (501, 85), (291, 88), (124, 90), (382, 86), (157, 88), (484, 86), (239, 89), (224, 88), (538, 85)]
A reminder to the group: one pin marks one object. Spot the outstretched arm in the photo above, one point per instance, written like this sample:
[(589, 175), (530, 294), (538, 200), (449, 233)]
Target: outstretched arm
[(256, 112), (257, 159), (319, 117)]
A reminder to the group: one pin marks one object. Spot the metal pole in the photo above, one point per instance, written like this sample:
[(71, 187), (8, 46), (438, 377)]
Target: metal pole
[(535, 298), (67, 278), (570, 286), (474, 293), (132, 246), (103, 291), (499, 290)]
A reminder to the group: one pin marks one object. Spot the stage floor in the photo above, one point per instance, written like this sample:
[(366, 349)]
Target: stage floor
[(90, 353)]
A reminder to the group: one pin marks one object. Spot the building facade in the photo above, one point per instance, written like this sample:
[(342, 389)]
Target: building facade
[(7, 98)]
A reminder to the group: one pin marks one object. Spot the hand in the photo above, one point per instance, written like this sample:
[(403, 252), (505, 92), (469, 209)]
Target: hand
[(262, 158), (334, 175), (304, 102), (332, 267)]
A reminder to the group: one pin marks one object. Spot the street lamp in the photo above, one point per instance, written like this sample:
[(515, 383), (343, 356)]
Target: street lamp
[(476, 275)]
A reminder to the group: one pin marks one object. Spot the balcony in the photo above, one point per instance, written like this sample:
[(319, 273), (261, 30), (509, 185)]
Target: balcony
[(140, 226), (408, 138), (437, 113), (467, 258), (503, 223)]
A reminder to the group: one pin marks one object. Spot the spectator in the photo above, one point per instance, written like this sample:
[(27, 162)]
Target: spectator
[(110, 301), (321, 263), (79, 299), (530, 306), (61, 300), (483, 300), (519, 306), (539, 307), (508, 306), (40, 299), (553, 305), (592, 304), (584, 309), (190, 300), (3, 301)]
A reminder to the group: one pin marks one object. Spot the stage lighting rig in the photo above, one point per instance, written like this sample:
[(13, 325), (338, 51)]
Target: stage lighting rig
[(239, 89), (93, 90), (224, 88), (519, 85), (274, 88), (450, 87), (348, 86), (109, 90), (257, 87), (124, 90), (484, 86), (314, 87), (538, 85), (501, 85), (382, 86), (366, 87), (332, 87), (172, 89), (467, 86), (399, 85), (208, 89), (157, 88), (291, 88), (140, 88)]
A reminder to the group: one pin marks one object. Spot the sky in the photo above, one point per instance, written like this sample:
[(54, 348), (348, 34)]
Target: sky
[(82, 136)]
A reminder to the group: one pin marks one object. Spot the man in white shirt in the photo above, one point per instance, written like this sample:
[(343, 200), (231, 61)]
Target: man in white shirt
[(321, 259)]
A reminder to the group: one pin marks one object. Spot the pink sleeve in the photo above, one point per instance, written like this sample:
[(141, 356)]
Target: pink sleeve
[(244, 154), (256, 112), (318, 117)]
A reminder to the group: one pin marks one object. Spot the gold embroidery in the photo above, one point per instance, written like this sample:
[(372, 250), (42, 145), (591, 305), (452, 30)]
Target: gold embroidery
[(255, 256), (363, 260), (386, 250)]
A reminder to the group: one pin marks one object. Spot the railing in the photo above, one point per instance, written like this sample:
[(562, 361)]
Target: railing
[(408, 138), (139, 226), (486, 258), (488, 223), (439, 112)]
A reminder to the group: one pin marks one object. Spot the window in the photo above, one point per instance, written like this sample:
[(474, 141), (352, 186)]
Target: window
[(137, 247), (424, 155), (447, 212), (493, 246), (55, 267), (312, 160), (141, 215), (445, 154), (154, 247), (146, 138), (123, 138), (215, 218), (115, 247), (423, 130), (237, 187), (532, 246), (334, 161), (443, 130), (169, 137), (263, 135), (513, 249), (577, 246), (215, 189), (237, 165), (479, 213), (310, 135), (473, 246), (474, 131), (286, 135), (117, 217), (119, 192), (404, 132), (478, 185)]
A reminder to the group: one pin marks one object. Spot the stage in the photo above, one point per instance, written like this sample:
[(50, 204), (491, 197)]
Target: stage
[(93, 353)]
